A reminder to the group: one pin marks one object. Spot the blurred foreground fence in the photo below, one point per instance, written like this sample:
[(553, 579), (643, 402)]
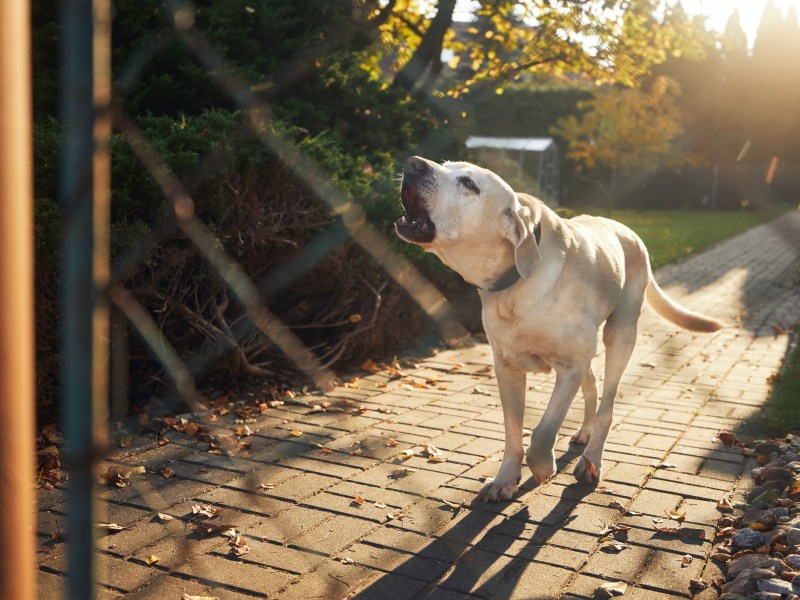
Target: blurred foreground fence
[(16, 307), (90, 108)]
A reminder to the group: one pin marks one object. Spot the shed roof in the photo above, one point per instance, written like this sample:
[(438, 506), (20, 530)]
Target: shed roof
[(531, 144)]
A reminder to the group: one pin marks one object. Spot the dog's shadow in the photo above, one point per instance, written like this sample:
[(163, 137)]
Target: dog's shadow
[(474, 560)]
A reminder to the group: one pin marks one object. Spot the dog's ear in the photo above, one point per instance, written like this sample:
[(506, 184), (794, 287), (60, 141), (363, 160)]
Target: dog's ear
[(519, 231)]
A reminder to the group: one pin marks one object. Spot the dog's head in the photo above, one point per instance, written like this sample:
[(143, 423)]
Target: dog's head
[(460, 206)]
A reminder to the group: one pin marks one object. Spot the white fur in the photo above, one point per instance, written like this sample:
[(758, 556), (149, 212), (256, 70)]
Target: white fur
[(587, 273)]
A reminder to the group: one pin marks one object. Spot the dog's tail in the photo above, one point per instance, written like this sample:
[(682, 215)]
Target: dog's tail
[(675, 313)]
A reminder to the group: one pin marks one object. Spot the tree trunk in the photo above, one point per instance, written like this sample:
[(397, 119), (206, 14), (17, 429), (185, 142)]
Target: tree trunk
[(427, 56)]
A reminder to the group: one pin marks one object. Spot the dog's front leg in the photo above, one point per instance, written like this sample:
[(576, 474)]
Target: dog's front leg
[(540, 456), (511, 382)]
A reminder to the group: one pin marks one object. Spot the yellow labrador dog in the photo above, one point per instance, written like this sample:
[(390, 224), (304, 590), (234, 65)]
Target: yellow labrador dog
[(547, 285)]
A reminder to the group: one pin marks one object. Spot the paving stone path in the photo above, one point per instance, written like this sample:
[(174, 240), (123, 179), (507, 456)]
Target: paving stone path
[(326, 514)]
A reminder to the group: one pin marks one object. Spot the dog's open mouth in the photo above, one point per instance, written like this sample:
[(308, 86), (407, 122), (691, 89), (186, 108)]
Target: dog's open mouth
[(416, 225)]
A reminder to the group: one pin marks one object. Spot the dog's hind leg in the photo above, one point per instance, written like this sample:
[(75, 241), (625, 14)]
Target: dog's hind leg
[(619, 337), (589, 389), (511, 382)]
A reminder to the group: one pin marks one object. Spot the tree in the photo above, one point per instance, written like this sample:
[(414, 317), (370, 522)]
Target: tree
[(548, 36), (773, 85), (624, 132)]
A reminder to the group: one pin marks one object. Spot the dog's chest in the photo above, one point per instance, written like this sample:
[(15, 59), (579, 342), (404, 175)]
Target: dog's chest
[(537, 337)]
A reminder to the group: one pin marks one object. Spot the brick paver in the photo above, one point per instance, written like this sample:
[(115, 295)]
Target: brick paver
[(327, 514)]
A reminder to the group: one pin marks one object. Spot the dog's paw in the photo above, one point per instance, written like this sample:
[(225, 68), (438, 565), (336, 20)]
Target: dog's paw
[(495, 490), (581, 436), (542, 467), (588, 471)]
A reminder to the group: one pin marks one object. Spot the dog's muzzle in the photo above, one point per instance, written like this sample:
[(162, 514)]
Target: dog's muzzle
[(416, 225)]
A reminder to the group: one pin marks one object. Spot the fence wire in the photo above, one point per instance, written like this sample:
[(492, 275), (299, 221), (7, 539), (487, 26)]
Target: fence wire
[(88, 454)]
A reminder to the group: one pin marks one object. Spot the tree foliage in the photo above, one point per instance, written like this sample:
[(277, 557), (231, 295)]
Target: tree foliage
[(626, 130), (611, 41)]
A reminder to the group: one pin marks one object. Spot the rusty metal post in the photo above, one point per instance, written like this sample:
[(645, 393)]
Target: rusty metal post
[(85, 190), (17, 396)]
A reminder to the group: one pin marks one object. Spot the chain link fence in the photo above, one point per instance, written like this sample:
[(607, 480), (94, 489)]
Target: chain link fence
[(98, 307)]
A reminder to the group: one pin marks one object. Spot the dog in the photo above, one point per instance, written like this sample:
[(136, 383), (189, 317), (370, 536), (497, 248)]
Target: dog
[(547, 286)]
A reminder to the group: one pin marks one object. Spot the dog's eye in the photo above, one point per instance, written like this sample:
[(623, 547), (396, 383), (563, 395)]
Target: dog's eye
[(469, 184)]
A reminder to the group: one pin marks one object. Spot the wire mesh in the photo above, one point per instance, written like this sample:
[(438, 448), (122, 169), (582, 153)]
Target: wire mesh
[(89, 457)]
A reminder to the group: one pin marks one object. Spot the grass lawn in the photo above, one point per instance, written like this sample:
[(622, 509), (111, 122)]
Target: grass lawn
[(672, 234), (782, 412)]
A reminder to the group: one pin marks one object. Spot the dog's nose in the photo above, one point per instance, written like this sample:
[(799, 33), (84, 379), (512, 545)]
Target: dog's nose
[(416, 165)]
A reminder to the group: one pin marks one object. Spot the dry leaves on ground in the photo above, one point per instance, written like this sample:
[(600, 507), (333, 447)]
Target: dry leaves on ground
[(119, 476), (402, 472), (206, 510)]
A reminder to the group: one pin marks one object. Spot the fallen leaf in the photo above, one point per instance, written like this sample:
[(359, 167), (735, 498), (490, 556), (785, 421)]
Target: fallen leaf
[(207, 528), (152, 559), (243, 431), (648, 364), (358, 500), (109, 526), (451, 504), (727, 438), (239, 550), (405, 454), (380, 505), (402, 472), (724, 504), (686, 560), (480, 390), (190, 597), (697, 585), (433, 451), (617, 505), (664, 465), (266, 486), (168, 472), (295, 433), (165, 517), (206, 510), (390, 443), (345, 560), (190, 428), (676, 516), (611, 589), (614, 547), (725, 531), (399, 516)]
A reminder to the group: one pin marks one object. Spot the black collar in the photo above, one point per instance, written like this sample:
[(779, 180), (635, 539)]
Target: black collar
[(511, 276)]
